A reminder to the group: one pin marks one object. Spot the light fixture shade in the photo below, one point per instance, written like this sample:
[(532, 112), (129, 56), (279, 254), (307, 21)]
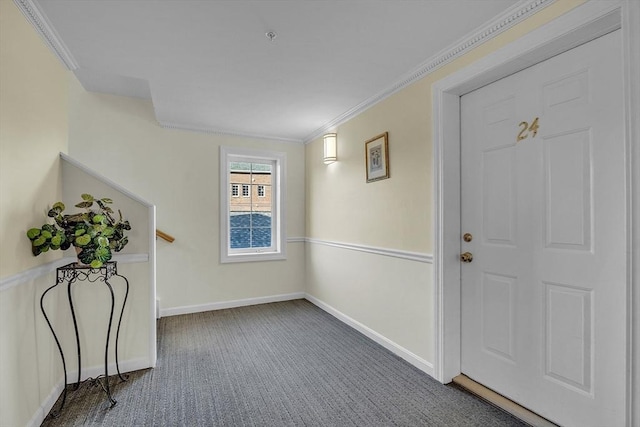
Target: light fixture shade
[(330, 147)]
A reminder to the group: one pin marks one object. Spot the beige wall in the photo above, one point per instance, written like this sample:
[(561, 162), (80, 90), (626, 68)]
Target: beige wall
[(395, 213), (341, 206), (33, 130), (178, 172)]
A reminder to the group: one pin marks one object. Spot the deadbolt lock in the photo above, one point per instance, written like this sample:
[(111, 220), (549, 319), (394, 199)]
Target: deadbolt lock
[(466, 257), (467, 237)]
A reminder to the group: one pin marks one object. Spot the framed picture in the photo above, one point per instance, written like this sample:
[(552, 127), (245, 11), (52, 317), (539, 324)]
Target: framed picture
[(376, 152)]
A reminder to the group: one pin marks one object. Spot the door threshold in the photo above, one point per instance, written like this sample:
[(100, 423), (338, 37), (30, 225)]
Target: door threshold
[(501, 402)]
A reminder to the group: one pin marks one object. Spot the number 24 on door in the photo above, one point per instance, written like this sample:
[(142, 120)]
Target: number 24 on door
[(527, 129)]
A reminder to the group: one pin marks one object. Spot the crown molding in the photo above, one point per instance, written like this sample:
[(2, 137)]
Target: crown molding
[(216, 131), (512, 16), (36, 18)]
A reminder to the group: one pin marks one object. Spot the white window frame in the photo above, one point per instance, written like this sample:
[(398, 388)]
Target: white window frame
[(261, 189), (235, 190), (277, 251), (246, 191)]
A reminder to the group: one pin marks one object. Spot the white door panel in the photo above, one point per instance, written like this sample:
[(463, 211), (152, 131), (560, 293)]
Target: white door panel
[(543, 301)]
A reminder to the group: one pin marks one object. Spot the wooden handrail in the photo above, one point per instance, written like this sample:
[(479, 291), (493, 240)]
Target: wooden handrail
[(165, 236)]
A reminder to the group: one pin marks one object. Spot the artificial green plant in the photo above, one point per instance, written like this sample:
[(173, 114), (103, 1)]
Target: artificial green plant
[(95, 232)]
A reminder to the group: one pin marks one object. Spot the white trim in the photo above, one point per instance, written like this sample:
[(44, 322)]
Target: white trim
[(395, 348), (278, 249), (130, 258), (38, 20), (395, 253), (631, 58), (152, 343), (515, 14), (35, 272), (446, 232), (584, 23), (175, 311), (224, 132), (296, 239), (41, 413), (32, 273)]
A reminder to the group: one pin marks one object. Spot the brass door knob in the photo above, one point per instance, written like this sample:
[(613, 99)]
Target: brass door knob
[(466, 257)]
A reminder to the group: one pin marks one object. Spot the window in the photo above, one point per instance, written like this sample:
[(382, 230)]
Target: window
[(251, 226)]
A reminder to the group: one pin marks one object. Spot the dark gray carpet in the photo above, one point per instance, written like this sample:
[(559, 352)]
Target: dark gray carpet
[(281, 364)]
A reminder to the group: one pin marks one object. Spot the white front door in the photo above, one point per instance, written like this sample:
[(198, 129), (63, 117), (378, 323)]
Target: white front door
[(543, 198)]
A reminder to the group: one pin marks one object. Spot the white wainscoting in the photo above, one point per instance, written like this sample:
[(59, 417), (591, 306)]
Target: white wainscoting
[(410, 357), (386, 294)]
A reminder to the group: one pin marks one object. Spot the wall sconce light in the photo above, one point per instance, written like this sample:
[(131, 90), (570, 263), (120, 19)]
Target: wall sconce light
[(330, 148)]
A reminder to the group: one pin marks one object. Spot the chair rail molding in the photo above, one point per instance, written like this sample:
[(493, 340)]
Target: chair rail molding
[(396, 253), (41, 270)]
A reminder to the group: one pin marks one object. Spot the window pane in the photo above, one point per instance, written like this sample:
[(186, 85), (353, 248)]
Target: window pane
[(261, 237), (261, 220), (250, 215), (240, 237), (261, 168), (250, 230)]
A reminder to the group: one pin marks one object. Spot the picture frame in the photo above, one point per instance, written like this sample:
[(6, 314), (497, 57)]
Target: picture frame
[(376, 153)]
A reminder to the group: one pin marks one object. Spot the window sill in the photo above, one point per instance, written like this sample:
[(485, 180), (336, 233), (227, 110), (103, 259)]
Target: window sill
[(253, 257)]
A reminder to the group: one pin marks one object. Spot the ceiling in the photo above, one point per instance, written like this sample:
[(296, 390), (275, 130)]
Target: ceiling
[(208, 64)]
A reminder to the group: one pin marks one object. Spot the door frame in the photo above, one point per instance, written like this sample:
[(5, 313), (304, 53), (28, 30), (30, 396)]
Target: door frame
[(580, 25)]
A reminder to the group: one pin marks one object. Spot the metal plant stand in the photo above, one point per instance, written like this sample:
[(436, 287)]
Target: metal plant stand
[(72, 273)]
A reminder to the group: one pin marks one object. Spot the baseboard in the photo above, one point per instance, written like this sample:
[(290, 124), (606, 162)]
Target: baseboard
[(398, 350), (45, 407), (91, 372), (174, 311), (97, 370)]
